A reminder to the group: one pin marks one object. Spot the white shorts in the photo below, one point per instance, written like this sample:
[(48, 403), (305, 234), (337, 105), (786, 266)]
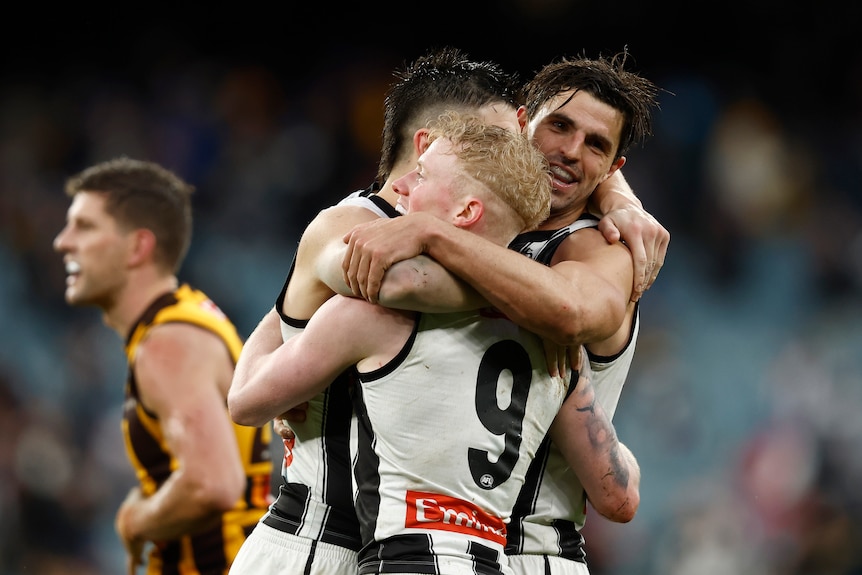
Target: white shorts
[(268, 551), (546, 564)]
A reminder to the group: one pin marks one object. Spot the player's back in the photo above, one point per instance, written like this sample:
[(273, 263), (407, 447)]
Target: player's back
[(446, 432)]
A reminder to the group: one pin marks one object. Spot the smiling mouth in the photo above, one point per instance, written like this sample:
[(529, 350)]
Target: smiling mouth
[(73, 270), (561, 175)]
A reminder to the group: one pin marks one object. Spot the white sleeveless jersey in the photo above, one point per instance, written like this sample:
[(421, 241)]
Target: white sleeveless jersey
[(370, 201), (446, 432), (551, 508), (315, 499)]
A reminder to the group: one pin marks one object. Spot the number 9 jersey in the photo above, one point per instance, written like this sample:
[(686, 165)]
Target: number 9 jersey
[(446, 432)]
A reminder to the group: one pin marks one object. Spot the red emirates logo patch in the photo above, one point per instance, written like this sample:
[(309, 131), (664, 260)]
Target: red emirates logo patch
[(435, 511)]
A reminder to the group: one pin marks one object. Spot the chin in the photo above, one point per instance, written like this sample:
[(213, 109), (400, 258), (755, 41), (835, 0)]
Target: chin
[(76, 298)]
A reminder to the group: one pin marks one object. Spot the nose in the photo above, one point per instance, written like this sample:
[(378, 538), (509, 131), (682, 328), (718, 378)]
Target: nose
[(401, 186), (60, 241), (572, 146)]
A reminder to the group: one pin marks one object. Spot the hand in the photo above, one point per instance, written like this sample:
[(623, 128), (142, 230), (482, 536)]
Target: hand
[(555, 356), (374, 246), (281, 424), (646, 238), (134, 545)]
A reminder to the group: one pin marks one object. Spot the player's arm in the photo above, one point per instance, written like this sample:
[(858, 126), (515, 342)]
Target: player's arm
[(317, 273), (182, 372), (606, 468), (422, 284), (287, 374), (392, 249), (580, 300), (256, 351), (624, 217)]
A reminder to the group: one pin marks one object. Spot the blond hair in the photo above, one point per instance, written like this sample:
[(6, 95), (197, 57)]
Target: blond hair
[(506, 162)]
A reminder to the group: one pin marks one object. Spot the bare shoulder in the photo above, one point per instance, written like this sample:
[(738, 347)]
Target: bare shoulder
[(317, 271), (354, 308), (374, 334), (361, 319), (334, 222), (589, 244), (178, 360)]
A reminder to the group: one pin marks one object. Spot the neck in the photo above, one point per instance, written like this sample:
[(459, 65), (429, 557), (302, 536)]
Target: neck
[(563, 216), (139, 294), (386, 192)]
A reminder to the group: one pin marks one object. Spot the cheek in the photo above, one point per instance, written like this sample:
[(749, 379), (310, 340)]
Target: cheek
[(546, 142), (417, 201), (596, 168)]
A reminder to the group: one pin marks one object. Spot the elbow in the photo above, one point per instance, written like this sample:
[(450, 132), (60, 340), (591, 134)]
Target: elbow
[(221, 491), (568, 327), (225, 497), (222, 500), (619, 491), (216, 493), (579, 325), (240, 413), (401, 284), (617, 495), (620, 508), (247, 419)]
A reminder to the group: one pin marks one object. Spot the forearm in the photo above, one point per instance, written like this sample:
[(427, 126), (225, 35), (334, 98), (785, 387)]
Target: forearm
[(612, 194), (262, 342), (177, 508), (422, 284), (531, 294), (328, 268), (322, 243), (251, 392), (607, 469)]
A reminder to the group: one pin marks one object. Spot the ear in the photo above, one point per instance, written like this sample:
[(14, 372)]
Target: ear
[(420, 141), (614, 167), (142, 247), (522, 117), (471, 212)]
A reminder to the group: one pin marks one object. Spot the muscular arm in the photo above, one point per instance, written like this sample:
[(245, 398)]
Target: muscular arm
[(606, 468), (317, 274), (342, 332), (315, 278), (264, 340), (182, 373), (274, 376), (422, 284), (579, 300)]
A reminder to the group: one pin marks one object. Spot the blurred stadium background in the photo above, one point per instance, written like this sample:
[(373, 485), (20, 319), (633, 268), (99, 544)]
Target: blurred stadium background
[(743, 404)]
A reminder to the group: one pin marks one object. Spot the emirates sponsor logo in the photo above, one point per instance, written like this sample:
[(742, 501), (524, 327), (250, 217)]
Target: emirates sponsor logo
[(436, 511)]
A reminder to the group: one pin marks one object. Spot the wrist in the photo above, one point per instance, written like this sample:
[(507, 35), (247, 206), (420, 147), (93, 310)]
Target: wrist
[(613, 200)]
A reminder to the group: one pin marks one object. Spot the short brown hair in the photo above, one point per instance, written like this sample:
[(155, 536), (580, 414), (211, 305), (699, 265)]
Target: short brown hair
[(143, 194), (607, 80)]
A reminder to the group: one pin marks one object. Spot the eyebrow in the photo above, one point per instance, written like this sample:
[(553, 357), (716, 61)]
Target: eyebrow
[(558, 116)]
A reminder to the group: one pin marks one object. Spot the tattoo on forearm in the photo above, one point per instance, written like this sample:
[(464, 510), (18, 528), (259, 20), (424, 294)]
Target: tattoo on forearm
[(603, 436)]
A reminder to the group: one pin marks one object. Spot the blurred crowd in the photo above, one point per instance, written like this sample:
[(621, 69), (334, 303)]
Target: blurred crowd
[(743, 401)]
